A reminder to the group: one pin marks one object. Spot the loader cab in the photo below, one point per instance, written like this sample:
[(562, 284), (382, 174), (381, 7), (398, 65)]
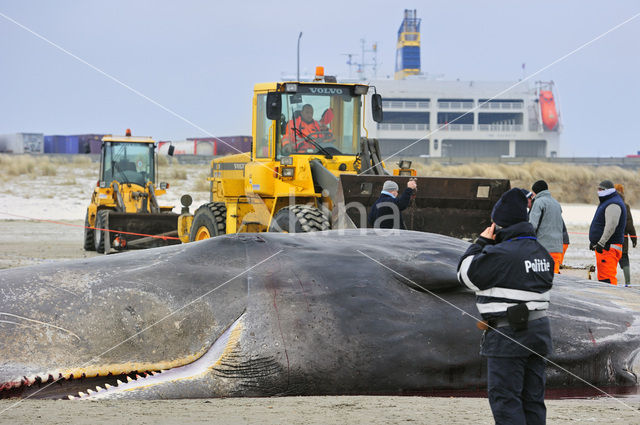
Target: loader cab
[(308, 119), (128, 161)]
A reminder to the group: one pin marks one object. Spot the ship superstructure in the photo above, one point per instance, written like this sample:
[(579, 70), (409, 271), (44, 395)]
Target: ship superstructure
[(439, 118)]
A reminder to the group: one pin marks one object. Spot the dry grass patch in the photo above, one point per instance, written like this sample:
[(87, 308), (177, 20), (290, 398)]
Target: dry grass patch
[(201, 184), (567, 183)]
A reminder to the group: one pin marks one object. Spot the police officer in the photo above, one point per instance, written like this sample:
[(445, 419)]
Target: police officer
[(512, 274)]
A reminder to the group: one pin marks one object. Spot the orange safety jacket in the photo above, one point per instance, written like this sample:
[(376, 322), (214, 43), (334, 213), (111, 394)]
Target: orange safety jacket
[(296, 136)]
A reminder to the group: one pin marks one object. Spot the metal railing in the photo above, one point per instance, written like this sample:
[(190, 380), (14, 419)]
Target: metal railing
[(502, 105), (405, 127), (406, 104), (455, 127), (455, 105)]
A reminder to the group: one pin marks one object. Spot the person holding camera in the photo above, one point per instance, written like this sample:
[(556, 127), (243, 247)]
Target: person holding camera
[(512, 274)]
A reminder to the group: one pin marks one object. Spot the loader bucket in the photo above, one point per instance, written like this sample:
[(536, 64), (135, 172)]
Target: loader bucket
[(139, 229), (458, 207)]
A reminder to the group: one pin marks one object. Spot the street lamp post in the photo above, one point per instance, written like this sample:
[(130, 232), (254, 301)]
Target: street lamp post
[(299, 37)]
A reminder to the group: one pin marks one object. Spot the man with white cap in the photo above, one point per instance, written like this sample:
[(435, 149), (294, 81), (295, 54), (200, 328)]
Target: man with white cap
[(385, 212), (606, 233)]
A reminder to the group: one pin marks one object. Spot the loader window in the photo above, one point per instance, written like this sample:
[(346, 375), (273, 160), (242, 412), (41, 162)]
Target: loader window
[(128, 163), (263, 125), (317, 119)]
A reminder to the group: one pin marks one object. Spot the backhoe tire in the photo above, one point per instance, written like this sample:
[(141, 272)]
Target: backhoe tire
[(299, 219), (88, 235), (100, 235), (208, 221)]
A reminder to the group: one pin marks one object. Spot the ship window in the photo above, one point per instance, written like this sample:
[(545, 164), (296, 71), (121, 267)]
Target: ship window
[(406, 117), (455, 117), (499, 118)]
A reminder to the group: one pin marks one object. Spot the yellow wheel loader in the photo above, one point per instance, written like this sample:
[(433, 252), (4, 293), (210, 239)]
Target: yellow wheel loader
[(309, 170), (124, 212)]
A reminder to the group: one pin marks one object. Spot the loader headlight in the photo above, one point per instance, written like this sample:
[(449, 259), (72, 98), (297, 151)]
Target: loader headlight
[(164, 185), (103, 185), (288, 171), (290, 88), (286, 160), (404, 164)]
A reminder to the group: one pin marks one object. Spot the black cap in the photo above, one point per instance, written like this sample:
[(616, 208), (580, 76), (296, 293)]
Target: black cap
[(539, 186), (510, 209), (605, 184)]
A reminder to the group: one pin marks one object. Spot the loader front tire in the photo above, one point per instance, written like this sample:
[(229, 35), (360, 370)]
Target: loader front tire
[(299, 219), (88, 235), (100, 235), (208, 221)]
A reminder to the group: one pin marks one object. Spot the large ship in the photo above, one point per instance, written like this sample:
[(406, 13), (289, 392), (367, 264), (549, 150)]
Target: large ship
[(438, 118)]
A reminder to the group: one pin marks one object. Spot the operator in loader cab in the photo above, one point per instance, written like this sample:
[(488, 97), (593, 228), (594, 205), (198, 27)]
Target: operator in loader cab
[(304, 126), (386, 211)]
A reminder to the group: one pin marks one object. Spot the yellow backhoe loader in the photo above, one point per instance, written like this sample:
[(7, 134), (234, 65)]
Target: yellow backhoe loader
[(124, 212), (309, 169)]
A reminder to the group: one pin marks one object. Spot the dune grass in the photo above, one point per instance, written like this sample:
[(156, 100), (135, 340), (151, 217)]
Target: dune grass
[(567, 183)]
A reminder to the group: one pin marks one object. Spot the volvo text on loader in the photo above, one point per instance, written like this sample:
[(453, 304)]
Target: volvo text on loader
[(310, 169), (124, 212)]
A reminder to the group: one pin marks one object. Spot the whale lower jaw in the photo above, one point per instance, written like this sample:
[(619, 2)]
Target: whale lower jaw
[(186, 374)]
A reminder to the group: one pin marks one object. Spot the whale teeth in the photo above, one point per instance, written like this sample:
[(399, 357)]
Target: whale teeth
[(119, 382)]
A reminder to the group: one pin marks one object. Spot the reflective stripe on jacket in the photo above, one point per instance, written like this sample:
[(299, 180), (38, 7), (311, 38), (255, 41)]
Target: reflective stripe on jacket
[(512, 270)]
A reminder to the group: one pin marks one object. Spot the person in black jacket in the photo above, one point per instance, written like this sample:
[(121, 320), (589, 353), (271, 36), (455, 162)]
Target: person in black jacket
[(385, 212), (512, 274)]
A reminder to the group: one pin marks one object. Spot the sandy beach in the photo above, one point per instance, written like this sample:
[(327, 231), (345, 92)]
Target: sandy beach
[(304, 410)]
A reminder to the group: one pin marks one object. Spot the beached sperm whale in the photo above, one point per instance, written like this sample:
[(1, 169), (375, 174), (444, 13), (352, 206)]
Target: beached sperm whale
[(283, 314)]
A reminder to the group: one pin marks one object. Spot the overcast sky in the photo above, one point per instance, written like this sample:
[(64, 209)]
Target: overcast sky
[(200, 59)]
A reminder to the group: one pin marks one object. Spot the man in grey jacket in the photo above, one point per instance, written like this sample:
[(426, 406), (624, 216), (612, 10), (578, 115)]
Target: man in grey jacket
[(546, 218)]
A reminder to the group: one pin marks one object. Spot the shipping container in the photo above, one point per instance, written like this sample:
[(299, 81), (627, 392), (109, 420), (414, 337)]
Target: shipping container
[(89, 143), (22, 143), (62, 144)]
